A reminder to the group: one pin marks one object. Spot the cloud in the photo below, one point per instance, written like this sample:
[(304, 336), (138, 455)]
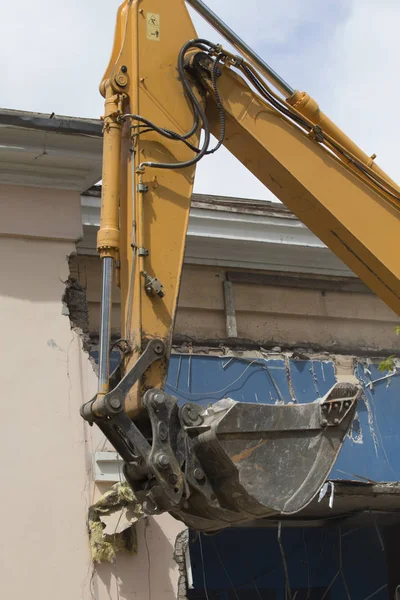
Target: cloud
[(274, 24), (54, 55), (343, 52), (364, 84)]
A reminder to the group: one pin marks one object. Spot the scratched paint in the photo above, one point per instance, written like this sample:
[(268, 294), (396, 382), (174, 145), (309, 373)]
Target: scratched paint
[(367, 403), (248, 451), (355, 433)]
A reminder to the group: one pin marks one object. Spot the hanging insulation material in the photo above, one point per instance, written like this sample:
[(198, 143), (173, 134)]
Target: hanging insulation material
[(105, 542)]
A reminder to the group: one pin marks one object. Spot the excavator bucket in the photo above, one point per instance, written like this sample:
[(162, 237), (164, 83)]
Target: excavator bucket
[(245, 461), (229, 463)]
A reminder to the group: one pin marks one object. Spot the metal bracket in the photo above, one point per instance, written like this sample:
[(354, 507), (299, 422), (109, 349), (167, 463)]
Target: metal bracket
[(153, 285), (107, 412), (127, 440), (191, 418), (112, 403), (140, 251), (163, 413), (317, 134)]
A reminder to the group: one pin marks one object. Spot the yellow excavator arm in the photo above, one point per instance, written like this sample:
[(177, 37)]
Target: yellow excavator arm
[(163, 88)]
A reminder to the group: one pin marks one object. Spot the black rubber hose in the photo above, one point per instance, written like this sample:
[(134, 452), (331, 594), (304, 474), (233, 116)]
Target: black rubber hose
[(197, 109)]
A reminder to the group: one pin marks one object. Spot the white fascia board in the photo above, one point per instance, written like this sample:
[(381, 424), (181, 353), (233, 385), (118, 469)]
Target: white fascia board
[(240, 239), (36, 158), (265, 257), (250, 228), (218, 224)]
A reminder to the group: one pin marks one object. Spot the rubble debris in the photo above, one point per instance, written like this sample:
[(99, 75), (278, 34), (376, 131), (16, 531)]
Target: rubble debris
[(180, 550), (75, 306)]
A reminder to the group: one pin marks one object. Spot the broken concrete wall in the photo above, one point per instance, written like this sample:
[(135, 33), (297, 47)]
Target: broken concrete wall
[(314, 313), (75, 306)]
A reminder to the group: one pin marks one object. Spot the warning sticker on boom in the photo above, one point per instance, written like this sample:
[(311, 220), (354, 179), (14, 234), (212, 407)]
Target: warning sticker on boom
[(153, 27)]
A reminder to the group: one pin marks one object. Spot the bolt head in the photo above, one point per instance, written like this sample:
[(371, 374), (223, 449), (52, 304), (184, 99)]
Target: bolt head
[(324, 408), (124, 68), (336, 421), (149, 507), (173, 479), (199, 474), (324, 422), (191, 415), (121, 79), (163, 460), (115, 402), (157, 400)]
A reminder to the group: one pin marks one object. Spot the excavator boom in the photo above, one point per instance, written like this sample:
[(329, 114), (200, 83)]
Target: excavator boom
[(231, 462)]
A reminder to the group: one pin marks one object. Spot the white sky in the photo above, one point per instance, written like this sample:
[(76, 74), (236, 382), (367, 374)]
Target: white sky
[(343, 52)]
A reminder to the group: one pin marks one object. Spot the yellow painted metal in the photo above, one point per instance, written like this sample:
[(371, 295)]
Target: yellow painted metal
[(108, 236), (309, 108), (357, 222), (143, 67)]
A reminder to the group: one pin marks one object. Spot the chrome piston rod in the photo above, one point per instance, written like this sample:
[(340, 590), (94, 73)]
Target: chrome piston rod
[(105, 324), (241, 46)]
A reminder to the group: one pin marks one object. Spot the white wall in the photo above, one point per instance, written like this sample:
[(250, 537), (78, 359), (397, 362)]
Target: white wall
[(45, 447), (43, 460), (150, 575)]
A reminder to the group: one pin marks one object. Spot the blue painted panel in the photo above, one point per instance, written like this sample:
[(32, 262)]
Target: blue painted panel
[(206, 379), (311, 379), (239, 560), (372, 449)]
